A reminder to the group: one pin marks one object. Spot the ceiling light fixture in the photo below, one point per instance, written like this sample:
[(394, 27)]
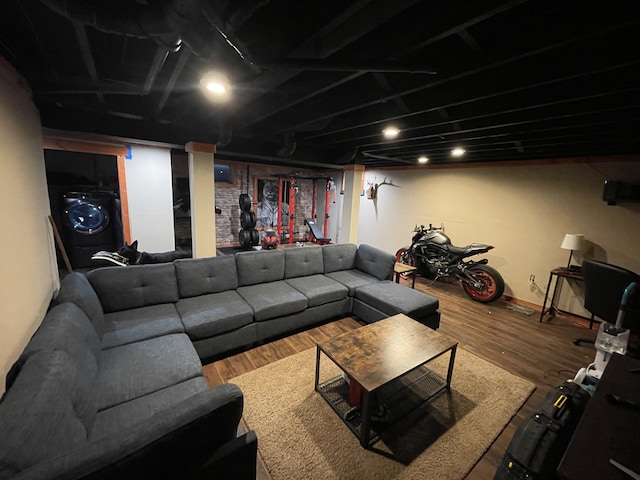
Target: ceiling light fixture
[(391, 132), (215, 86), (458, 152), (423, 159)]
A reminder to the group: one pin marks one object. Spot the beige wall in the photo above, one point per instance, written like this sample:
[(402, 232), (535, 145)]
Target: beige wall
[(27, 252), (524, 211)]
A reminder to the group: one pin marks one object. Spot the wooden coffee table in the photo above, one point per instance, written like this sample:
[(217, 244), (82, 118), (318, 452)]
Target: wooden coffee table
[(386, 359)]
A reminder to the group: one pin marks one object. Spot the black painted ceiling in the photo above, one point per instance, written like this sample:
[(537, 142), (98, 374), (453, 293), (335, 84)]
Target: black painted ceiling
[(316, 81)]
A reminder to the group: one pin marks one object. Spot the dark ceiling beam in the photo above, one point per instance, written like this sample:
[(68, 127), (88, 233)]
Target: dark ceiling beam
[(492, 95), (468, 23), (494, 128), (87, 56), (177, 71), (156, 65), (453, 31), (469, 40), (370, 66), (366, 154), (343, 30), (386, 86), (491, 115), (467, 73), (530, 139)]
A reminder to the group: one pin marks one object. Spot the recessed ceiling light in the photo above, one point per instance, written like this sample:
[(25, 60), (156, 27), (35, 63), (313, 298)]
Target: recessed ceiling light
[(423, 159), (458, 152), (215, 86), (391, 132)]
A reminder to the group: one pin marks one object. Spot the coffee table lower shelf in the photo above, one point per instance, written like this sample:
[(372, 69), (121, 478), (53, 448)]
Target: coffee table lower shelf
[(390, 402)]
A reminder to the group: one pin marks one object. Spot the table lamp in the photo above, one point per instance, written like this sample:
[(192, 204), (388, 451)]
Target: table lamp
[(572, 241)]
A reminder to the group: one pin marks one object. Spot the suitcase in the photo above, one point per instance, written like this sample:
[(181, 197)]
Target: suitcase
[(539, 443)]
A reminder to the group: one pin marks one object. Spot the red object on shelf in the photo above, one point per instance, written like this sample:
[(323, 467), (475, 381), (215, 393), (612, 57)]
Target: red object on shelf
[(355, 392)]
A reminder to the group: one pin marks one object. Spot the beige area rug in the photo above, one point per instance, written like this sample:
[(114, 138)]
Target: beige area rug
[(301, 437)]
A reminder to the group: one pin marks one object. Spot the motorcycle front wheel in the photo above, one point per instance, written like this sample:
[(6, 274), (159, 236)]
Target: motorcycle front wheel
[(405, 256), (492, 284)]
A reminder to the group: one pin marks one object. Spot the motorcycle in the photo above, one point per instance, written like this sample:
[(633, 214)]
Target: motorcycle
[(434, 256)]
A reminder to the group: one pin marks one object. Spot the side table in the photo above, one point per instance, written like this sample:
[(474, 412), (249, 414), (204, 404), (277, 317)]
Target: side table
[(559, 273), (403, 269)]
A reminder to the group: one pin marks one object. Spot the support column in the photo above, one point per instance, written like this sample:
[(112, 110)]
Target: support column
[(203, 199), (353, 182)]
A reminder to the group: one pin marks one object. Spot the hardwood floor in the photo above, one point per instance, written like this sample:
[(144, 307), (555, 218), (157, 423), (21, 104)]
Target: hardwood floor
[(543, 353)]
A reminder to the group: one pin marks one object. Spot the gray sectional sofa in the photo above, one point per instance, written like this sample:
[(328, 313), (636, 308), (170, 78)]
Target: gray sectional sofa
[(111, 385)]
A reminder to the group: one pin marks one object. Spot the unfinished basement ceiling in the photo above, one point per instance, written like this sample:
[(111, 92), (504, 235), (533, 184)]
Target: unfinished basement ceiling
[(315, 82)]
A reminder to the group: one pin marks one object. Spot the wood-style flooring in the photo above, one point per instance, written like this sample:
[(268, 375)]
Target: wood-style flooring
[(542, 353)]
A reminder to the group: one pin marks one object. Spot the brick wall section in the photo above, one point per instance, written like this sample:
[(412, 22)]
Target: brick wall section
[(227, 198)]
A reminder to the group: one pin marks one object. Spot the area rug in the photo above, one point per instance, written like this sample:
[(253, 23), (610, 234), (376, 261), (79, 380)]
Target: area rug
[(301, 437)]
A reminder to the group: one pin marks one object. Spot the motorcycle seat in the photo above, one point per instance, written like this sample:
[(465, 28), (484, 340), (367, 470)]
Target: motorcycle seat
[(472, 247)]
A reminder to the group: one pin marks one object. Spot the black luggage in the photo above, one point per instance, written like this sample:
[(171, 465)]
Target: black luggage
[(539, 443)]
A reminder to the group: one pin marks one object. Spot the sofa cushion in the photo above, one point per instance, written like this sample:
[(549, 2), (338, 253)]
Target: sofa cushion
[(299, 262), (209, 315), (375, 262), (75, 288), (137, 324), (274, 299), (200, 276), (67, 329), (319, 289), (392, 298), (136, 369), (40, 412), (260, 266), (339, 256), (352, 279), (134, 286), (112, 420)]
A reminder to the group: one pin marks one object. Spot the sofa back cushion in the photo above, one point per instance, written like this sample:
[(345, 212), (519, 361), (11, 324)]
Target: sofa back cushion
[(339, 256), (75, 288), (39, 413), (201, 276), (124, 288), (260, 267), (375, 261), (301, 262), (67, 329)]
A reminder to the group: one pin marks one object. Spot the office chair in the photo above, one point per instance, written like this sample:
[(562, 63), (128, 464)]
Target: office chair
[(604, 285)]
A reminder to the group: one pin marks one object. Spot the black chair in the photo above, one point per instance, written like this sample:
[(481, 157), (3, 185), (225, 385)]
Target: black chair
[(604, 285)]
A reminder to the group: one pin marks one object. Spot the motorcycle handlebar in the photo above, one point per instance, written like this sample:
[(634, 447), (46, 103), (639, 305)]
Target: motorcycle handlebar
[(423, 229)]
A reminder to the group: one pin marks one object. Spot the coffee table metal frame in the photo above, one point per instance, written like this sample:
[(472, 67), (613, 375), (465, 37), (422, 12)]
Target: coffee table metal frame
[(421, 346)]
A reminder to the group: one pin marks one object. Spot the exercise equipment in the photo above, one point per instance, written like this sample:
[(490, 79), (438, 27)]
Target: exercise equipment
[(316, 234), (289, 181), (248, 236)]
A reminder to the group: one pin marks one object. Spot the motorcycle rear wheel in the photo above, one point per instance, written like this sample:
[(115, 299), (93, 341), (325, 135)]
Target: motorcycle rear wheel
[(493, 284)]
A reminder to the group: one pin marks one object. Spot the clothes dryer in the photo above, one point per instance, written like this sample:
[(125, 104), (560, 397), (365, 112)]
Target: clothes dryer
[(87, 225)]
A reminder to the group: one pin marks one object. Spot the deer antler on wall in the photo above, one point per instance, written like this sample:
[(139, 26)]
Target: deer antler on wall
[(372, 190)]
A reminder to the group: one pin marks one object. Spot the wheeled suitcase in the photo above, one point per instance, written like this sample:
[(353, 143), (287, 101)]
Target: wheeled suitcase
[(539, 443)]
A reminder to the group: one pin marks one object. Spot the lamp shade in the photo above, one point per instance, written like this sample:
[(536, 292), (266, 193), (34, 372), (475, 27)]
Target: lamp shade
[(573, 241)]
